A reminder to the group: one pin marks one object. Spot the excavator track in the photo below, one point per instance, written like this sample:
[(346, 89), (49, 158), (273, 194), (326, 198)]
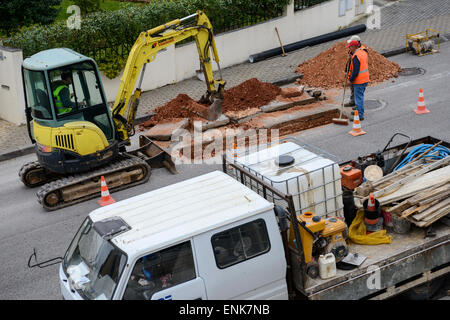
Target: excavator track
[(76, 188), (32, 174)]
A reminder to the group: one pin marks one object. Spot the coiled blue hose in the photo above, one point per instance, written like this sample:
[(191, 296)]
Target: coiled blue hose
[(437, 153)]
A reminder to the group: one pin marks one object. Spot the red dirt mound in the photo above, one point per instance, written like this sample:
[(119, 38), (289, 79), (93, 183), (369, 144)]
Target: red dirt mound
[(326, 70), (249, 94)]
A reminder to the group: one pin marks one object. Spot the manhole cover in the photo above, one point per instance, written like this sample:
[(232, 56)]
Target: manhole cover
[(411, 71), (374, 104)]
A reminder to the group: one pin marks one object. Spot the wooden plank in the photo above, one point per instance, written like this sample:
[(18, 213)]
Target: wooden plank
[(417, 185), (408, 212), (435, 190), (419, 209), (436, 197), (426, 196), (436, 216), (365, 188), (439, 196), (431, 210), (394, 175), (402, 206), (414, 176)]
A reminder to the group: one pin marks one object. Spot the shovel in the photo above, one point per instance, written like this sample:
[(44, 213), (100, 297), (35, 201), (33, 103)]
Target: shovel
[(340, 120)]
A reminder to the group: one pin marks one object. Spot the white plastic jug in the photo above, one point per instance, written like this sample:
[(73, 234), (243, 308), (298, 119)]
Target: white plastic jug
[(327, 266)]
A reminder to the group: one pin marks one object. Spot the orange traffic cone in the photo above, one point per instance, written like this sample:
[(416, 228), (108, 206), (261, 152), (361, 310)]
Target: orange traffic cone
[(106, 199), (356, 131), (371, 215), (421, 108), (234, 150), (371, 203)]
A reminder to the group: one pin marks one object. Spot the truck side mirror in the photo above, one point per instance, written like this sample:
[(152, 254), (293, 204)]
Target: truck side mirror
[(283, 217)]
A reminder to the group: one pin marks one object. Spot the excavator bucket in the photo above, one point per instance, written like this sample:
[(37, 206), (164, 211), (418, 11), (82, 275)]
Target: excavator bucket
[(215, 110), (154, 155)]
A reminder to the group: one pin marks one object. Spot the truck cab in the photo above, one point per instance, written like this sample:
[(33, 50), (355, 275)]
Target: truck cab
[(209, 237)]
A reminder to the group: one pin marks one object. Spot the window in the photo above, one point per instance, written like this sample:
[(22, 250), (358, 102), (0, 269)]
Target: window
[(92, 264), (160, 270), (75, 88), (36, 94), (240, 243)]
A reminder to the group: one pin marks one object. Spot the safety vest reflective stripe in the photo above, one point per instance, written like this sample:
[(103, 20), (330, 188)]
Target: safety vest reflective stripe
[(58, 102), (363, 75)]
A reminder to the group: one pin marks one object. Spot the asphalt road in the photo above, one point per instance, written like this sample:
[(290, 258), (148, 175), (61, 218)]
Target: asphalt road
[(25, 225)]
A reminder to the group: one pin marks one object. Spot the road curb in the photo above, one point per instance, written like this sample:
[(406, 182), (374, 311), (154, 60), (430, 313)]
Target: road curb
[(393, 52), (18, 152)]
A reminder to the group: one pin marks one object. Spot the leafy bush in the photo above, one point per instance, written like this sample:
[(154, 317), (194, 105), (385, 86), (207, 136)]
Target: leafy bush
[(14, 14), (88, 5), (108, 36)]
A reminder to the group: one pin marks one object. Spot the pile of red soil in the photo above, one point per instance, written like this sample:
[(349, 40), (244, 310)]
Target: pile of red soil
[(249, 94), (173, 110), (327, 70)]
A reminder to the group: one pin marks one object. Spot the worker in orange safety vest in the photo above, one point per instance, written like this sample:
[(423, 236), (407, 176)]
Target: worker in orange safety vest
[(358, 75), (351, 102)]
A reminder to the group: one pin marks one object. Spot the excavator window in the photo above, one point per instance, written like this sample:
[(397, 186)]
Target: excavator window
[(36, 94), (77, 95), (75, 88)]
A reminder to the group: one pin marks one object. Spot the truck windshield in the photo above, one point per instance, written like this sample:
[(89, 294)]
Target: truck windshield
[(92, 264)]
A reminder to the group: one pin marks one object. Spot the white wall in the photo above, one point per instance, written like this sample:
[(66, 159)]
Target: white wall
[(179, 63), (12, 102), (235, 47)]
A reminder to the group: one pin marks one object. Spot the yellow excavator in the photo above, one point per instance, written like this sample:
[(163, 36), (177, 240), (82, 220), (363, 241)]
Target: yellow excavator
[(79, 138)]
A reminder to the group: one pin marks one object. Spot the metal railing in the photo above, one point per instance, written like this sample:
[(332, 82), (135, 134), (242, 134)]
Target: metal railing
[(220, 24), (303, 4)]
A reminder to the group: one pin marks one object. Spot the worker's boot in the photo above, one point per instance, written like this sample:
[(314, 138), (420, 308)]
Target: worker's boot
[(349, 104)]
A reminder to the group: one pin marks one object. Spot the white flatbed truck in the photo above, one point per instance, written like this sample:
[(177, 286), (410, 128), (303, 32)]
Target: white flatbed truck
[(211, 237)]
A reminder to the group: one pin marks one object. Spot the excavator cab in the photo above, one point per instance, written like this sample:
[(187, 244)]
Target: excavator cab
[(66, 90), (67, 112)]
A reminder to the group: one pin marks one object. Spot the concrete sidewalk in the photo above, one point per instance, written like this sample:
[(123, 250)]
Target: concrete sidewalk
[(14, 140)]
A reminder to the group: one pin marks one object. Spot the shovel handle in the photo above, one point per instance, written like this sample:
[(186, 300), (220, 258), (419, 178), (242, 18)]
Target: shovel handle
[(278, 35)]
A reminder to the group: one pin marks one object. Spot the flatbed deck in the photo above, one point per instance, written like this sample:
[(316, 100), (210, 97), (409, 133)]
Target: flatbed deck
[(411, 259)]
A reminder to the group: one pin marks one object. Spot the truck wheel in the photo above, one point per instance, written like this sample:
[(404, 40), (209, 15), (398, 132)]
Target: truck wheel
[(312, 271), (424, 291)]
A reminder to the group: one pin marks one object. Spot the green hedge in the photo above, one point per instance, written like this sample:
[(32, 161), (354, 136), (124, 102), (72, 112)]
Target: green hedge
[(108, 36)]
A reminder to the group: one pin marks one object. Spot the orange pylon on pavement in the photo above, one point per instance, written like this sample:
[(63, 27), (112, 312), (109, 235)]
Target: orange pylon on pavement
[(421, 108), (356, 131), (106, 199)]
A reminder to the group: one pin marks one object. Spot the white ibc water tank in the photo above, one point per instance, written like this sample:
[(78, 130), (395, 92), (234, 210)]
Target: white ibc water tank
[(313, 180)]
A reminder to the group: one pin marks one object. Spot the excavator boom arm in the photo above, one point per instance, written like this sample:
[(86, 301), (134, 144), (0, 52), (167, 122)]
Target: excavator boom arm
[(144, 51)]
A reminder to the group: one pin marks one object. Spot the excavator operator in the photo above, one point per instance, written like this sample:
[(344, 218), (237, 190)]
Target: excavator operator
[(61, 93)]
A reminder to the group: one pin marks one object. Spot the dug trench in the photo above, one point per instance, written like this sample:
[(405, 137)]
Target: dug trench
[(312, 101), (251, 106)]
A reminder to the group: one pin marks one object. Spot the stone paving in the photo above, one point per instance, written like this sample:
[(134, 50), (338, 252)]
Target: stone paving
[(398, 19), (402, 12), (276, 68)]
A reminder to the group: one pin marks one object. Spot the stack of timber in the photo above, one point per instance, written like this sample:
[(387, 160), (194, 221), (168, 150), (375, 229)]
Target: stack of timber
[(418, 192)]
